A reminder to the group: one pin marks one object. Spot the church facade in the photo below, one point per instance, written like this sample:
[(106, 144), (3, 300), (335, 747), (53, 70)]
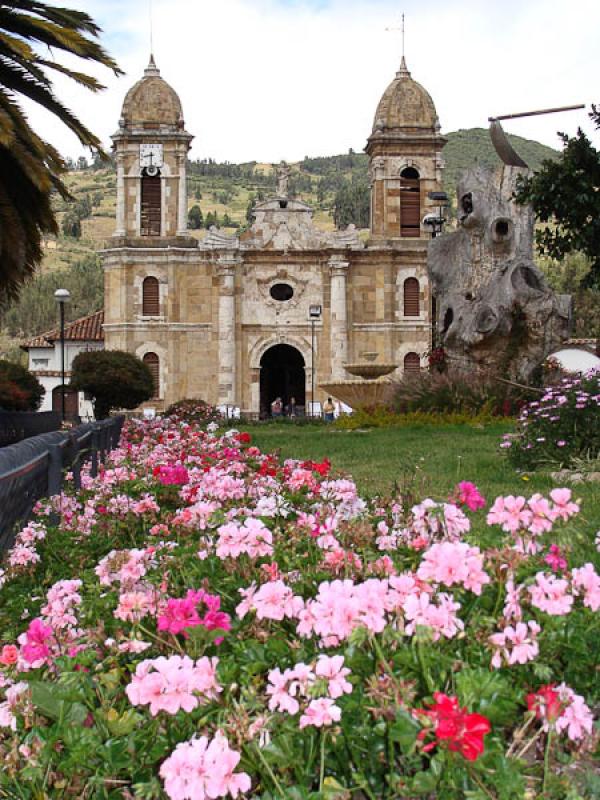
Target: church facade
[(283, 307)]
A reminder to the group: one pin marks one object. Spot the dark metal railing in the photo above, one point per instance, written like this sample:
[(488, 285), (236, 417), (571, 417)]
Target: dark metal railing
[(35, 468), (18, 425)]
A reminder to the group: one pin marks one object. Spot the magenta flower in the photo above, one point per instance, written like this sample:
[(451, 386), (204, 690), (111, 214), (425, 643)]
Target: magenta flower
[(555, 559), (470, 496)]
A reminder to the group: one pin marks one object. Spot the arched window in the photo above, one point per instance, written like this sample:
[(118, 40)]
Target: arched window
[(412, 363), (411, 297), (150, 212), (151, 360), (150, 297), (410, 203)]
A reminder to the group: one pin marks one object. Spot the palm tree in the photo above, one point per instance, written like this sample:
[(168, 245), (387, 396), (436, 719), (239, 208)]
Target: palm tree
[(30, 168)]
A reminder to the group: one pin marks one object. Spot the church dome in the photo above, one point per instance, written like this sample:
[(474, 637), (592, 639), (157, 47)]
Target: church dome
[(405, 104), (152, 103)]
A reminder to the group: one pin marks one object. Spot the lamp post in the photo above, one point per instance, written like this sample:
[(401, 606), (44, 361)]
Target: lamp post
[(314, 314), (436, 221), (62, 296)]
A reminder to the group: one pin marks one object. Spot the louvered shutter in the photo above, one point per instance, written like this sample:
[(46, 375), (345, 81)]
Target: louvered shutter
[(411, 297), (151, 206), (152, 362), (410, 207), (412, 363), (150, 298)]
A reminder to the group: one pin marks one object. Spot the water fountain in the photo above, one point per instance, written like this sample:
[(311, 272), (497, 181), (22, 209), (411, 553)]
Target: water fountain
[(371, 387)]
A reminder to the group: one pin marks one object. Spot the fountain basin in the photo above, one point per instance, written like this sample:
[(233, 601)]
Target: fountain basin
[(356, 393), (369, 371)]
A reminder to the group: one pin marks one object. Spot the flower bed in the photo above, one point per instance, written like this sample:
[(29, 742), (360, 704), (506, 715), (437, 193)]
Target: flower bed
[(210, 622), (563, 425)]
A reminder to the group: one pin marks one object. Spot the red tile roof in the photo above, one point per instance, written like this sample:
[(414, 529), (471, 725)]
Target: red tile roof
[(85, 329)]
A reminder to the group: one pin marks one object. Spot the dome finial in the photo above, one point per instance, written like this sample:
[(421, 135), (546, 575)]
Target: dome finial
[(151, 70), (403, 72)]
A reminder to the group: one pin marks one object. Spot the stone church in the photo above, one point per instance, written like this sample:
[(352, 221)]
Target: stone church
[(280, 309)]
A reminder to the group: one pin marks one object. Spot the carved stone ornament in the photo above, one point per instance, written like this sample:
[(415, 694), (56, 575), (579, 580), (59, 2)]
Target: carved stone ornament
[(281, 276)]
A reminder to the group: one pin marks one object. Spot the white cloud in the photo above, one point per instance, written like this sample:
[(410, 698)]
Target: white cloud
[(266, 80)]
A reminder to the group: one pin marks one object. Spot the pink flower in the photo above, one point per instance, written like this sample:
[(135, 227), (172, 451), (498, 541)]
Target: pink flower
[(174, 683), (516, 645), (201, 770), (320, 712), (34, 648), (563, 507), (587, 579), (333, 670), (511, 513), (453, 563), (555, 559), (549, 594), (469, 496), (541, 515), (9, 655)]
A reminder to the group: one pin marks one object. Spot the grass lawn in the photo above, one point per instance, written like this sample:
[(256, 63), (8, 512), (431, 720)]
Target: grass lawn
[(428, 459)]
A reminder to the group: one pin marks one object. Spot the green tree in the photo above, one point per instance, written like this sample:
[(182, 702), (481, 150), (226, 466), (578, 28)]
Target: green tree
[(31, 33), (566, 194), (195, 219), (113, 378), (352, 204), (34, 311), (71, 225), (30, 390)]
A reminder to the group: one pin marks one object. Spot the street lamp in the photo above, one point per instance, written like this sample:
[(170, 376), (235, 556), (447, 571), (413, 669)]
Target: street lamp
[(314, 314), (436, 221), (62, 296)]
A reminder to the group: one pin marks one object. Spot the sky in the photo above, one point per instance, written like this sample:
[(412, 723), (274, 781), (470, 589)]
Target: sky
[(267, 80)]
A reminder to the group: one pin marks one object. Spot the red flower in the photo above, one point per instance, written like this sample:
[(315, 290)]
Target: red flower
[(462, 731), (546, 703), (244, 438)]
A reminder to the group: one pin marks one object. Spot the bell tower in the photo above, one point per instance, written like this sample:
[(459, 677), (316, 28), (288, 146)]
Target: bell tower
[(405, 159), (151, 148)]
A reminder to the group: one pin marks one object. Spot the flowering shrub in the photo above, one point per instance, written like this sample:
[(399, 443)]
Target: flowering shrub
[(193, 411), (208, 621), (562, 425)]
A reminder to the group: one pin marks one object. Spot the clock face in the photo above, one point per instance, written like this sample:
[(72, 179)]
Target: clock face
[(151, 155)]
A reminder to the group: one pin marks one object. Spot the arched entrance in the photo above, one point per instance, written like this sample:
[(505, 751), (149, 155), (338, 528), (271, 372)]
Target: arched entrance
[(282, 375)]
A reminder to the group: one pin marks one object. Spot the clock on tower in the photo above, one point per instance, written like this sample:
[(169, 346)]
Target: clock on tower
[(151, 157)]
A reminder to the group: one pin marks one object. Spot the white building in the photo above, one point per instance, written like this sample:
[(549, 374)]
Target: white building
[(45, 360)]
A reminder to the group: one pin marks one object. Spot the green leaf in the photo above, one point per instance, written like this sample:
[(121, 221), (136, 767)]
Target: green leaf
[(404, 731), (54, 703)]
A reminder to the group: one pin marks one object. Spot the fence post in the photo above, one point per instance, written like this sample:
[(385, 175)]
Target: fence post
[(54, 476), (76, 467), (94, 458)]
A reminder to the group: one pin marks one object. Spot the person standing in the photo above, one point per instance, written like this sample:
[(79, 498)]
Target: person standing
[(291, 409), (329, 410)]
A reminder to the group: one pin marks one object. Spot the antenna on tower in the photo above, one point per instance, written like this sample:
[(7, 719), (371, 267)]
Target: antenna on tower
[(151, 28), (402, 34), (401, 29)]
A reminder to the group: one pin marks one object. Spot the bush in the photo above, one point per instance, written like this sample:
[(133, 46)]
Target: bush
[(115, 379), (21, 390), (193, 411), (458, 392), (563, 425)]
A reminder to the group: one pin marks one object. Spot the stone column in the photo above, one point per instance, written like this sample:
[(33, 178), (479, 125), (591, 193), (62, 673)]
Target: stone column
[(120, 229), (182, 202), (338, 270), (227, 344)]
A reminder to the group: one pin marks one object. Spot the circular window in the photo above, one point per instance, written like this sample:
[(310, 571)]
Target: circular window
[(281, 292)]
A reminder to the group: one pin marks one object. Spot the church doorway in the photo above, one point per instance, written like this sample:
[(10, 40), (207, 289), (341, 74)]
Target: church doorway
[(282, 375)]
